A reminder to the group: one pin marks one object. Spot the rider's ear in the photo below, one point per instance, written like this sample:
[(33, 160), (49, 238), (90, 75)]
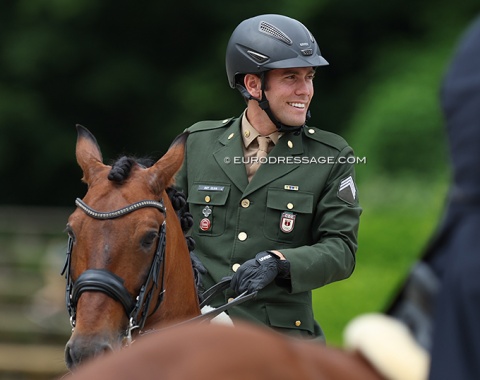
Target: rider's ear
[(253, 85)]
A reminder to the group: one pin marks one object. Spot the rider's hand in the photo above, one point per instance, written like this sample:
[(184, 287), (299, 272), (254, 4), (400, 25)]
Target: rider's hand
[(257, 273)]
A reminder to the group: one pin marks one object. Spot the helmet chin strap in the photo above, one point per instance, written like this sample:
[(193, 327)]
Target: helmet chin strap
[(265, 105)]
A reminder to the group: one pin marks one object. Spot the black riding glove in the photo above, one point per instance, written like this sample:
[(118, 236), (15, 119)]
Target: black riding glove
[(257, 273)]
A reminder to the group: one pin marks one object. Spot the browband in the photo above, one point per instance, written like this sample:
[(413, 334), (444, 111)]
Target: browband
[(120, 212)]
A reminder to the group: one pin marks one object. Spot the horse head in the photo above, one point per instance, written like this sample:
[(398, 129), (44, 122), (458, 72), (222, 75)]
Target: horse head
[(128, 265)]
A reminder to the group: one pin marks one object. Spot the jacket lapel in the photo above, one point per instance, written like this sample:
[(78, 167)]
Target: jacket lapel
[(231, 151), (229, 158), (288, 146)]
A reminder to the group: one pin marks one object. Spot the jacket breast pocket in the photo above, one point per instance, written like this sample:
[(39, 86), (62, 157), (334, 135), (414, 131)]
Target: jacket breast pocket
[(288, 216), (207, 202)]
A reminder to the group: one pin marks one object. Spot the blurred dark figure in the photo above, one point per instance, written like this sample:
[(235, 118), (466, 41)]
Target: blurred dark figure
[(440, 301), (455, 351)]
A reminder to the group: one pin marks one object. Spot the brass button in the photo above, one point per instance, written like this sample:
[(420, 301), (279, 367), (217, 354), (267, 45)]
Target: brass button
[(245, 203), (230, 136), (235, 267), (242, 236), (290, 206), (311, 131), (231, 299), (290, 144), (298, 323), (207, 198)]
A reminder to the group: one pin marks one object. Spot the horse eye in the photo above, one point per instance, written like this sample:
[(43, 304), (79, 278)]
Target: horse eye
[(149, 239), (70, 232)]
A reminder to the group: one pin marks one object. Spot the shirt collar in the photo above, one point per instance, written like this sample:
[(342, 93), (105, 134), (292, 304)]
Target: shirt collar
[(249, 133)]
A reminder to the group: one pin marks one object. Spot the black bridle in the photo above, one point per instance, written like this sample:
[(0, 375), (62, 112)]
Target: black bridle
[(102, 280)]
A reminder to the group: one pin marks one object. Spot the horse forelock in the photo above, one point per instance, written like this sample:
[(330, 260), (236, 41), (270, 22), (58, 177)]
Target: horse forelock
[(122, 168)]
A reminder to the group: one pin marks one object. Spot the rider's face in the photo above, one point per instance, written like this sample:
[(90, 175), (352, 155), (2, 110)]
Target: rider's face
[(289, 93)]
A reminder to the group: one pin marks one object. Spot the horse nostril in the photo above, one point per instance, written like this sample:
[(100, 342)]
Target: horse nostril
[(74, 355), (69, 360), (104, 349)]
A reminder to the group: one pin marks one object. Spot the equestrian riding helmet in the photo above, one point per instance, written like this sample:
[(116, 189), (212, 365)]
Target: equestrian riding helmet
[(270, 42)]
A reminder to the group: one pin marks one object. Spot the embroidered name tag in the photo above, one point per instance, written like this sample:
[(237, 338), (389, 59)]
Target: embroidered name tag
[(210, 188)]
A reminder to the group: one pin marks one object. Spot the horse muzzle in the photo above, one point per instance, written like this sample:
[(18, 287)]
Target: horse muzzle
[(82, 349)]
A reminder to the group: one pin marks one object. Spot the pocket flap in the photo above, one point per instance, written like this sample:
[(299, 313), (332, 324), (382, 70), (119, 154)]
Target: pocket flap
[(295, 201), (299, 316)]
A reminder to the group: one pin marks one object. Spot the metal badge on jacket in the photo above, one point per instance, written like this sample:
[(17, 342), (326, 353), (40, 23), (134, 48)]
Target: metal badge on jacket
[(206, 223), (287, 221)]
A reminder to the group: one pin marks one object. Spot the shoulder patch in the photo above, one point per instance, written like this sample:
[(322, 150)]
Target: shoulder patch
[(347, 191), (207, 125), (324, 137)]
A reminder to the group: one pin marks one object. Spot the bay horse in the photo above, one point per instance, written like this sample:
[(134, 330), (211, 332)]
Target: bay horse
[(128, 265)]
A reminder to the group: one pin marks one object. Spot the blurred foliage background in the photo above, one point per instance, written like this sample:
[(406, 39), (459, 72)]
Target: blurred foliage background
[(137, 73)]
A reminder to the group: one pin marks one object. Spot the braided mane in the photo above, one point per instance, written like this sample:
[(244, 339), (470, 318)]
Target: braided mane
[(122, 168)]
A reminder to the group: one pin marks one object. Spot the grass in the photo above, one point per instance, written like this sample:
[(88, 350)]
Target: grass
[(397, 222)]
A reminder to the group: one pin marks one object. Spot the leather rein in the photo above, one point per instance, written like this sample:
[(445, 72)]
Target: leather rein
[(102, 280)]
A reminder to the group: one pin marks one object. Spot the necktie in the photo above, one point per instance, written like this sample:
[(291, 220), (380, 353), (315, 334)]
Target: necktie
[(263, 143)]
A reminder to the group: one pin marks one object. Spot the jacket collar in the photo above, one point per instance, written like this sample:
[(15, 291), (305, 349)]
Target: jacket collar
[(281, 159)]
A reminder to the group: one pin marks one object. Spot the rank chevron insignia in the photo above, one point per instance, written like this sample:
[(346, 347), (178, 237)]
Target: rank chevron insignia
[(347, 190)]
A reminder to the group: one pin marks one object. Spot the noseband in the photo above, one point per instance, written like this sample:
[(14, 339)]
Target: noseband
[(102, 280)]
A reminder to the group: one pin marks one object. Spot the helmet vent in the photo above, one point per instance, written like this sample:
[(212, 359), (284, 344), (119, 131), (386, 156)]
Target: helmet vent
[(307, 52), (274, 32), (260, 58)]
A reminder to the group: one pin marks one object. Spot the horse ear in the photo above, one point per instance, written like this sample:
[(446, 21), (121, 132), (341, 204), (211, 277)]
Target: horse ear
[(88, 153), (167, 166)]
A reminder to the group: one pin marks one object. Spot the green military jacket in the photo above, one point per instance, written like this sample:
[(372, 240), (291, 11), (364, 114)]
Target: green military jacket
[(302, 202)]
